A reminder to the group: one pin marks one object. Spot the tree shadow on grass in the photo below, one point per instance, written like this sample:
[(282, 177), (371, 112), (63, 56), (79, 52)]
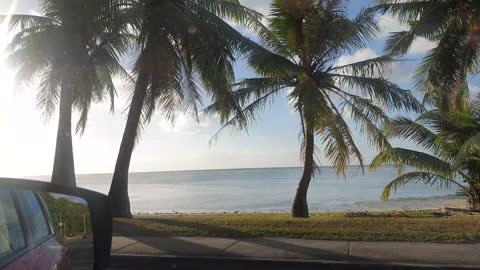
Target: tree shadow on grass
[(272, 248)]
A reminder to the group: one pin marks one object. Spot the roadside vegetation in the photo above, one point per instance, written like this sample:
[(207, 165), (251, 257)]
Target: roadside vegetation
[(424, 225), (72, 216)]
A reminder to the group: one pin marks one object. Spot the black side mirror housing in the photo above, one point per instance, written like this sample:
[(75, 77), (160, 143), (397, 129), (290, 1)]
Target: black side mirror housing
[(98, 204)]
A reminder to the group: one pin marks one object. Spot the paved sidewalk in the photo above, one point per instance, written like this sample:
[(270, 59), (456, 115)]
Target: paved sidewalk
[(300, 249)]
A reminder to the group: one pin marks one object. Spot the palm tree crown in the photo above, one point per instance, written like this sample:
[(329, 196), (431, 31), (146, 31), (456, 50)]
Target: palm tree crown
[(79, 41), (454, 25), (451, 156), (185, 48), (73, 50), (299, 52)]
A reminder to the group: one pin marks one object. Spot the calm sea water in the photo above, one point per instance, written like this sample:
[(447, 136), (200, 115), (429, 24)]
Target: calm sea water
[(267, 190)]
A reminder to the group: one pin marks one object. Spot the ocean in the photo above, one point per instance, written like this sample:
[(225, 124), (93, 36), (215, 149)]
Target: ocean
[(268, 190)]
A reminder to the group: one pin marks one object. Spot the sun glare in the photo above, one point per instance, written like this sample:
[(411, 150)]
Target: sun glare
[(5, 37), (6, 74), (6, 87), (6, 79)]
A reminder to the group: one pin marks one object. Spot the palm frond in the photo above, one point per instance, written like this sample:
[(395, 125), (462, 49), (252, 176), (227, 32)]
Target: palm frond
[(248, 113), (428, 178), (405, 128), (442, 68), (27, 21), (364, 28), (233, 10), (374, 67), (406, 11), (368, 116), (49, 94), (470, 148), (267, 63), (339, 141), (399, 42), (401, 157), (442, 73), (381, 91), (349, 138)]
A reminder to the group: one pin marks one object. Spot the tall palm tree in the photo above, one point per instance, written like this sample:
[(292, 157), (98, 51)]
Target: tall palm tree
[(451, 156), (72, 49), (455, 26), (300, 51), (183, 45)]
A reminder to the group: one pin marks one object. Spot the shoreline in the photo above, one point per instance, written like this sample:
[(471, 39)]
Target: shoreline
[(239, 213), (436, 203), (275, 213)]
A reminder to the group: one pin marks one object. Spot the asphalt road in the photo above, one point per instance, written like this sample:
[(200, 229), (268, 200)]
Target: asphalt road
[(120, 262), (284, 253), (277, 254), (80, 253)]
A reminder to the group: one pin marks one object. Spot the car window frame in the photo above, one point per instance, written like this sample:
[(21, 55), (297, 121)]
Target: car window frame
[(26, 223), (100, 212), (8, 259), (29, 223), (46, 214)]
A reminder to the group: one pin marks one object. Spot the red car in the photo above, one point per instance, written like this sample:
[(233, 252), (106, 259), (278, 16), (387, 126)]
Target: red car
[(27, 238)]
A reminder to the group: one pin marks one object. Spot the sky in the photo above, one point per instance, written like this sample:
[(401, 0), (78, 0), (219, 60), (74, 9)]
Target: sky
[(27, 141)]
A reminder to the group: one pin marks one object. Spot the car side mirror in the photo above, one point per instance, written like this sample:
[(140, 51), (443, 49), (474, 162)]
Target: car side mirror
[(47, 226)]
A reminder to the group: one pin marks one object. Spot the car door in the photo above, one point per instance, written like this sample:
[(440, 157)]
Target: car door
[(27, 239), (46, 253), (13, 236)]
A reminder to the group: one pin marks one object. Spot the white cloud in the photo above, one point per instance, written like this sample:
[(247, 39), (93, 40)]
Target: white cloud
[(360, 55), (258, 5), (402, 72), (262, 6), (185, 123), (35, 13), (421, 45), (474, 91), (389, 24)]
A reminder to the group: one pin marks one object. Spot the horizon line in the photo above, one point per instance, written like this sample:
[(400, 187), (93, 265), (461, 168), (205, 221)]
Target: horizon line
[(212, 169)]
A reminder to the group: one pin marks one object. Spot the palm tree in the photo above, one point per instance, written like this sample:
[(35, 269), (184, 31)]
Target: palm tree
[(451, 156), (72, 50), (183, 45), (299, 53), (455, 26)]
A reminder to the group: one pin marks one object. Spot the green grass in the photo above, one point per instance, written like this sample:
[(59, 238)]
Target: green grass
[(374, 226)]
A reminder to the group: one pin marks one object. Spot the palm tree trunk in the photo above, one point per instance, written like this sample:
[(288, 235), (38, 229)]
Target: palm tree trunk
[(119, 188), (474, 197), (63, 165), (300, 205)]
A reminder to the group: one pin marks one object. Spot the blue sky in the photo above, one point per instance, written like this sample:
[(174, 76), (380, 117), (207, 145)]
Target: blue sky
[(27, 141)]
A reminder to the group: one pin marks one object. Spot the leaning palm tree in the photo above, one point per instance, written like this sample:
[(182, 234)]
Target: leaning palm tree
[(72, 50), (299, 54), (182, 45), (454, 25), (451, 156)]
